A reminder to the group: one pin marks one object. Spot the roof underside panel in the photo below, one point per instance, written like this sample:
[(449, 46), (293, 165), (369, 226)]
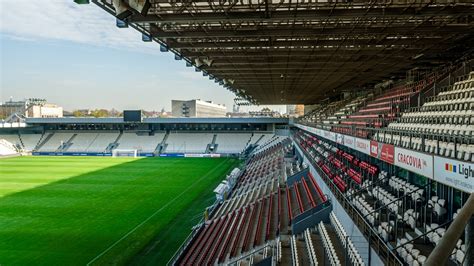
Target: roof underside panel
[(304, 51)]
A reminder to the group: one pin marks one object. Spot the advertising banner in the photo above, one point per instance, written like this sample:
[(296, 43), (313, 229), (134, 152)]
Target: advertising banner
[(72, 153), (201, 155), (349, 141), (329, 135), (454, 173), (374, 148), (415, 162), (362, 145), (172, 155), (339, 138), (387, 152)]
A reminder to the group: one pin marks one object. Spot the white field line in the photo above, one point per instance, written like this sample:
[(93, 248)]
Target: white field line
[(151, 216)]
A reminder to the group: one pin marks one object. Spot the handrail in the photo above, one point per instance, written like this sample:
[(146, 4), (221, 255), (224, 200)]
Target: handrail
[(255, 250), (308, 193), (298, 197), (288, 203)]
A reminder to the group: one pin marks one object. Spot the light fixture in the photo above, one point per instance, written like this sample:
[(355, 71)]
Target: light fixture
[(146, 37), (163, 48), (198, 62), (121, 23), (208, 61), (417, 56)]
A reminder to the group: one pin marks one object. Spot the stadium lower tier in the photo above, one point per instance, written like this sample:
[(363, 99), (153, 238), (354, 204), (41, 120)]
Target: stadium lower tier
[(275, 211), (145, 144)]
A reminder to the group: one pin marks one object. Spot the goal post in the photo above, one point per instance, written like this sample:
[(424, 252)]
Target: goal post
[(124, 153)]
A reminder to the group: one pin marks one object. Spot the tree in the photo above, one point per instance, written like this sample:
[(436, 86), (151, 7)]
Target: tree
[(78, 113), (100, 113)]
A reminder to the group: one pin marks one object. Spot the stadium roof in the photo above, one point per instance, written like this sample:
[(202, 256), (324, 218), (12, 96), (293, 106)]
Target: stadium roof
[(303, 51)]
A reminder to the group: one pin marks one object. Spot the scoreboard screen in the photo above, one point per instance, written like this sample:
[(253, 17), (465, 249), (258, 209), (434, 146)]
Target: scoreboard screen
[(132, 116)]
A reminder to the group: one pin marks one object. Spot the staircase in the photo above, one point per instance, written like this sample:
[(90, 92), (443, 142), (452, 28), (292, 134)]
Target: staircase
[(92, 142), (43, 140), (259, 139), (21, 142), (66, 144), (114, 144), (212, 147), (161, 147), (248, 142)]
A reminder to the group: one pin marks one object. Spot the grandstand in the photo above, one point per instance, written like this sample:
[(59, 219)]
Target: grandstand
[(379, 172), (153, 138), (7, 148)]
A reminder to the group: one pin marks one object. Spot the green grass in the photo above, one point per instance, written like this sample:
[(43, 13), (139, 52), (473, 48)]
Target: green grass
[(76, 210)]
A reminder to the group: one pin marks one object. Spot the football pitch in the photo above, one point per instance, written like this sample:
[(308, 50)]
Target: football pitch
[(90, 210)]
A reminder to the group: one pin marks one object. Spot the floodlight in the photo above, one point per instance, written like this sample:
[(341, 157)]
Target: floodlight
[(163, 48), (121, 23), (146, 38)]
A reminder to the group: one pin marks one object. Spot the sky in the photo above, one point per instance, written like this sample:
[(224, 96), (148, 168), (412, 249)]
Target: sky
[(74, 56)]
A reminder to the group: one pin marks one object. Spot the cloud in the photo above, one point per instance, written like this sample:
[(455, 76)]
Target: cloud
[(63, 20)]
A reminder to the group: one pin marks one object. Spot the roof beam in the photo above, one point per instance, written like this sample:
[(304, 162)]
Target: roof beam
[(340, 11)]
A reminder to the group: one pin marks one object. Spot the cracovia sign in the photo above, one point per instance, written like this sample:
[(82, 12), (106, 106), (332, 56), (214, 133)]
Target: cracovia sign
[(454, 173), (413, 161)]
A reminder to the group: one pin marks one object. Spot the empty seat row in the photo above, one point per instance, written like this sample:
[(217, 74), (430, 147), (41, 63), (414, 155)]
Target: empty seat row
[(460, 151), (310, 247), (439, 117), (410, 254), (434, 233), (459, 252), (402, 186), (385, 198), (328, 245), (366, 209), (410, 217), (438, 205), (346, 241), (456, 93), (385, 229), (294, 251)]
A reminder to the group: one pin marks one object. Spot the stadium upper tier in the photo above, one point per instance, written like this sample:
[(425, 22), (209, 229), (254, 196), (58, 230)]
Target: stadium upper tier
[(434, 114), (275, 52)]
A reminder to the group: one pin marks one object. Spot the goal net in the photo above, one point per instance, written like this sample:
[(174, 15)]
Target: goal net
[(124, 153)]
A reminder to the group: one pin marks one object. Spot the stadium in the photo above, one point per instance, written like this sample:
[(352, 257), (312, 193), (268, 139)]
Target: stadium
[(378, 171)]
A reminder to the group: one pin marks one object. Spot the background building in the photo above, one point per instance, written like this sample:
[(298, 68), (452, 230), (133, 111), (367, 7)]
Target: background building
[(46, 110), (295, 110), (197, 108), (34, 108)]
